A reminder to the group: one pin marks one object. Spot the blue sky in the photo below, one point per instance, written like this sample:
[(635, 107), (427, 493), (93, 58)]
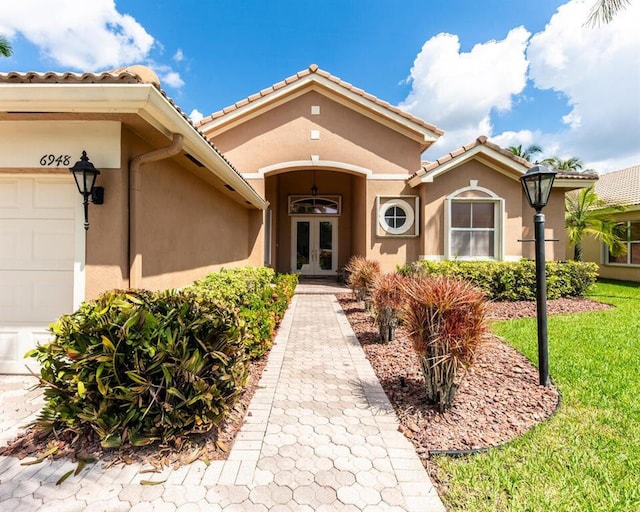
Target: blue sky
[(518, 71)]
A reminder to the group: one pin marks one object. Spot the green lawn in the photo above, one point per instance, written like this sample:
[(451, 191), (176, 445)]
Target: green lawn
[(586, 457)]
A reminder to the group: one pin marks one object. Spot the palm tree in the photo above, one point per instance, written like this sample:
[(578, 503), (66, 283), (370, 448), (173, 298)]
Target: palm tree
[(603, 11), (587, 214), (5, 47), (570, 164), (526, 153)]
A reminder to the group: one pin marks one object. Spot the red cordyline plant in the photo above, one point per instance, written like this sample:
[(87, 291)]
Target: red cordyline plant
[(446, 320), (362, 275), (387, 300)]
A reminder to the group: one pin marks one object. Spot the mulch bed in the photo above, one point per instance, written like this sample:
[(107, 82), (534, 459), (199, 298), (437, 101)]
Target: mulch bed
[(498, 400)]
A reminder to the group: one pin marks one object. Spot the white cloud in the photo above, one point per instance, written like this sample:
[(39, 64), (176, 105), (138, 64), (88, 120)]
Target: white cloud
[(597, 70), (172, 79), (76, 33), (179, 55), (458, 91), (195, 116)]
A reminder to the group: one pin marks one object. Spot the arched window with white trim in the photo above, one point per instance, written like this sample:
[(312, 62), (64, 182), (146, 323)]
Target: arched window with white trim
[(474, 224)]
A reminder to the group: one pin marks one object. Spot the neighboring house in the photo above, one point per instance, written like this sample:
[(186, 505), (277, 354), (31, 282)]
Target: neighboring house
[(619, 188), (325, 171)]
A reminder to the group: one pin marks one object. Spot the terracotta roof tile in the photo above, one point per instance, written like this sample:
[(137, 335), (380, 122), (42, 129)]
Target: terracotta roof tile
[(128, 75), (483, 141), (620, 187), (480, 141), (314, 69)]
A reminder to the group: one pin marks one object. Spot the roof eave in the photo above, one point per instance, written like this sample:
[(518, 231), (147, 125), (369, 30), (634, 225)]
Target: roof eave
[(272, 99), (142, 99), (473, 153)]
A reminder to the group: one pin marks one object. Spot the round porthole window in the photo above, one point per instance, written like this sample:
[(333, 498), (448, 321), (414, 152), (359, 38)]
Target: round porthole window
[(396, 217)]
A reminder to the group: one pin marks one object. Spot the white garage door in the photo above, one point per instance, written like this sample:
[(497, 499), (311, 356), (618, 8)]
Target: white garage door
[(37, 252)]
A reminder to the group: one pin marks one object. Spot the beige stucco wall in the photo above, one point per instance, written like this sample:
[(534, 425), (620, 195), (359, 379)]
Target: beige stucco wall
[(283, 134), (390, 251), (503, 186), (518, 215), (188, 227)]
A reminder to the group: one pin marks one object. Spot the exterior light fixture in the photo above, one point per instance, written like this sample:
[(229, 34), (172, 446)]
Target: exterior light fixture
[(537, 183), (85, 174), (314, 188)]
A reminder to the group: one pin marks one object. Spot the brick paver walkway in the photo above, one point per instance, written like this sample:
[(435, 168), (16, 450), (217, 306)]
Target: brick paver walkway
[(320, 434)]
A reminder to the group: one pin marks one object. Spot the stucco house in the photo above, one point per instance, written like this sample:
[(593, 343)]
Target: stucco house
[(619, 188), (300, 176)]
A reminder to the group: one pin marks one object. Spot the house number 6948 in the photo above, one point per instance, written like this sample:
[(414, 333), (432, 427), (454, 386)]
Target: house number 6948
[(55, 160)]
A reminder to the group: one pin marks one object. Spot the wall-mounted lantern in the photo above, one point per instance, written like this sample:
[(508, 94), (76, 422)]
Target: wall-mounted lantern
[(85, 175), (537, 183)]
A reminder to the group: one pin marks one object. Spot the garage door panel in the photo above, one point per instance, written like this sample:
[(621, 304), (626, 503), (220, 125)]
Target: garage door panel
[(9, 194), (53, 245), (39, 296), (54, 198), (14, 344), (27, 244), (38, 198), (37, 249), (50, 295), (9, 345)]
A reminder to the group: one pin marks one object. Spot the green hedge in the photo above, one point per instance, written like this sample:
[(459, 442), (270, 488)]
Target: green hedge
[(140, 366), (260, 296), (511, 281)]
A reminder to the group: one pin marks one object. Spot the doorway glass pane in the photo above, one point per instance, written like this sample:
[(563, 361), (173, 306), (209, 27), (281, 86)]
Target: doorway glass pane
[(325, 252), (302, 243)]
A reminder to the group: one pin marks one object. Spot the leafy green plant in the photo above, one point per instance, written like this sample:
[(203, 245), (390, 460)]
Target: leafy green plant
[(511, 281), (139, 367), (260, 297), (445, 319), (387, 300)]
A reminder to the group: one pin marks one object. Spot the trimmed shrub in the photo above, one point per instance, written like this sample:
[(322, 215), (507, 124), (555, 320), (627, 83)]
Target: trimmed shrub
[(260, 297), (445, 319), (140, 367), (387, 301), (511, 281)]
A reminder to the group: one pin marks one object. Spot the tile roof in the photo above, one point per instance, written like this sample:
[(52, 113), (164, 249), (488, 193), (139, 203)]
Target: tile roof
[(127, 75), (620, 187), (480, 141), (313, 69), (483, 141)]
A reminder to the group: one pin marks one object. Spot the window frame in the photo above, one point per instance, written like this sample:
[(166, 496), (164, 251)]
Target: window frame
[(481, 195), (410, 228), (337, 199), (628, 243)]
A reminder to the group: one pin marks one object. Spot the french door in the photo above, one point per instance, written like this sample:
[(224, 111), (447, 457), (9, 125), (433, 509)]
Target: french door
[(314, 245)]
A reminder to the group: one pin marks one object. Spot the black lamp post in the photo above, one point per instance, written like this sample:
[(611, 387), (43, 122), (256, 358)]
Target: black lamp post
[(85, 174), (537, 183)]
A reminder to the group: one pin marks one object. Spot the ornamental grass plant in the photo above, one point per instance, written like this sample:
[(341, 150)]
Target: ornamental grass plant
[(446, 321), (362, 276), (387, 299)]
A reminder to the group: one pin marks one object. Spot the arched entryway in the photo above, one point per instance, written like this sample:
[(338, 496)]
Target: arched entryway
[(317, 220)]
